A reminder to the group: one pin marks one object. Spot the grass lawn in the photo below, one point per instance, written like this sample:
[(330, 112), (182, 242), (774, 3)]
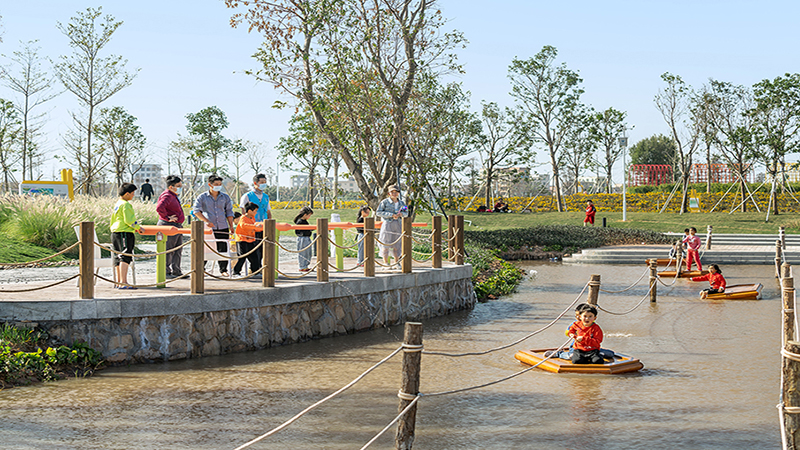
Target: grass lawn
[(722, 222), (13, 250)]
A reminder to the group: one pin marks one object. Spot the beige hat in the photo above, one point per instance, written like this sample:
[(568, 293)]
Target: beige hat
[(394, 188)]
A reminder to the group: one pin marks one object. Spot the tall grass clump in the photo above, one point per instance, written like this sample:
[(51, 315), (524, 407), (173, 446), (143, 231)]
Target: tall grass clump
[(562, 235)]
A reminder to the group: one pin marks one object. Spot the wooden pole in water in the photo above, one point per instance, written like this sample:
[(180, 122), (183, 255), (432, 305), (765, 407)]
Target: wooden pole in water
[(778, 252), (594, 289), (405, 245), (322, 249), (198, 265), (708, 237), (369, 247), (653, 280), (409, 388), (436, 245), (787, 292), (86, 261), (678, 256), (786, 270), (790, 393), (268, 253)]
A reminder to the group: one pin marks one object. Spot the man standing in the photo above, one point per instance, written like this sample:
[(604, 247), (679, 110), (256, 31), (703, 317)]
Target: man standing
[(170, 212), (147, 190), (215, 208), (258, 196)]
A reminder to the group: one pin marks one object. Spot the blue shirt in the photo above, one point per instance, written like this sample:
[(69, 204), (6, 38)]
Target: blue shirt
[(387, 208), (263, 204), (216, 211)]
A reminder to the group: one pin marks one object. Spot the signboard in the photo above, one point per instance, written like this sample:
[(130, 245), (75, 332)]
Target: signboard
[(63, 188), (623, 142)]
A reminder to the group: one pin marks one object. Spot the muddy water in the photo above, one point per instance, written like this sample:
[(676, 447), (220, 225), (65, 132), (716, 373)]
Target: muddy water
[(711, 381)]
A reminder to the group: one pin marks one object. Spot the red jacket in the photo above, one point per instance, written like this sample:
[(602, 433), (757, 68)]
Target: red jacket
[(716, 280), (592, 336), (590, 210), (167, 205), (246, 230)]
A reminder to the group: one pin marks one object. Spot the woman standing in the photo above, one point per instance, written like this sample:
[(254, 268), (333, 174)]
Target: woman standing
[(391, 210)]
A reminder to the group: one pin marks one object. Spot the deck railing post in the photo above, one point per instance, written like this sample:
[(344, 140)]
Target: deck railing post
[(594, 289), (709, 231), (778, 258), (86, 260), (653, 280), (409, 388), (268, 253), (406, 245), (460, 251), (436, 244), (198, 252), (369, 247), (451, 242), (322, 249)]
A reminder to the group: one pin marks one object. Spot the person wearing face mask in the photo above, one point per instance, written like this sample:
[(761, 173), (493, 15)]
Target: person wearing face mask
[(215, 208), (170, 212), (260, 197)]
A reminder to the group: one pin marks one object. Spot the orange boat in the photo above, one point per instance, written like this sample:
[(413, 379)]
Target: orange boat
[(620, 364), (683, 274), (739, 292)]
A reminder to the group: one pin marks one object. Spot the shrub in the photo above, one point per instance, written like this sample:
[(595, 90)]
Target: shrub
[(561, 236)]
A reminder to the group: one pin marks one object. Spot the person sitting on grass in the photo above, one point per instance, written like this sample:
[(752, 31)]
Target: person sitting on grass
[(123, 225), (587, 334), (715, 279), (246, 239)]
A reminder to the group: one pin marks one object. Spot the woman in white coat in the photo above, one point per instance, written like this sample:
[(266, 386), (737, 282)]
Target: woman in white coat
[(391, 210)]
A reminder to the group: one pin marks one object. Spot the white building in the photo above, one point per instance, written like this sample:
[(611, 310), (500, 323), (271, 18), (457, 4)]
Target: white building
[(154, 173)]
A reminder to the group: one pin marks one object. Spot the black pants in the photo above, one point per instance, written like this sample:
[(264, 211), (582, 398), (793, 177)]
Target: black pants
[(260, 251), (173, 259), (242, 248), (122, 242), (713, 291), (223, 235), (590, 357)]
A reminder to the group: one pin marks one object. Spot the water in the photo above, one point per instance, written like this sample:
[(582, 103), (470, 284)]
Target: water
[(711, 381)]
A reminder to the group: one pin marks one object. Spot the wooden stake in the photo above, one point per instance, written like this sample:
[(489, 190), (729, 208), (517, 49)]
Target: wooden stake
[(406, 245), (369, 247), (460, 251), (790, 386), (198, 265), (268, 253), (787, 292), (709, 230), (679, 256), (786, 270), (86, 261), (594, 289), (653, 280), (778, 254), (451, 243), (436, 244), (409, 385), (322, 249)]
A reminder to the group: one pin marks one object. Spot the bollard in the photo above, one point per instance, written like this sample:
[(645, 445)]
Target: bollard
[(406, 245), (268, 253), (708, 237), (678, 256), (86, 259), (451, 243), (653, 280), (161, 260), (436, 244), (594, 289), (459, 249), (790, 393), (787, 292), (782, 237), (778, 258), (322, 249), (786, 270), (369, 247), (409, 388), (198, 265), (604, 222)]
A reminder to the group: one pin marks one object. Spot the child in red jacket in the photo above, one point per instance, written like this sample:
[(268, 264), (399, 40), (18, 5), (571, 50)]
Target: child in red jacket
[(587, 335), (715, 278)]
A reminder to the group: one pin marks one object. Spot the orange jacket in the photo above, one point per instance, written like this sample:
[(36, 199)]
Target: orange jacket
[(246, 230), (716, 280), (592, 336)]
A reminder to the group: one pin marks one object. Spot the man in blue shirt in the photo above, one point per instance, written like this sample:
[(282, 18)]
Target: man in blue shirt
[(258, 196), (215, 208)]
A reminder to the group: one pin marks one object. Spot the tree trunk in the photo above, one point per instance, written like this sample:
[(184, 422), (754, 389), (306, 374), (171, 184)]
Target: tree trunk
[(310, 188), (556, 183), (775, 192), (608, 180), (743, 191), (489, 173), (87, 187), (336, 182), (708, 168), (685, 195)]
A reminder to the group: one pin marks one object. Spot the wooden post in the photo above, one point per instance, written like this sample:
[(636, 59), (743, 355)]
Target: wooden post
[(778, 258), (451, 243), (708, 237), (678, 256), (322, 249), (412, 355), (459, 249), (782, 237), (436, 244), (86, 260), (790, 392), (594, 289), (406, 246), (653, 280), (787, 292), (786, 270), (369, 246), (268, 253), (198, 265)]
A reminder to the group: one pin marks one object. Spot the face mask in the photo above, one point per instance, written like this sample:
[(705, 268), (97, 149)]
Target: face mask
[(178, 190), (216, 188), (263, 186)]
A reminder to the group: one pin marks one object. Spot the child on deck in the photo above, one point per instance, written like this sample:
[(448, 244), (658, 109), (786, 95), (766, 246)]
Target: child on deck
[(715, 279), (587, 334), (246, 239), (362, 214), (123, 225), (304, 239), (590, 212), (692, 243)]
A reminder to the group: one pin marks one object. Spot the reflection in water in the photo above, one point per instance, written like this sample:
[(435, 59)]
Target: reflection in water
[(699, 388)]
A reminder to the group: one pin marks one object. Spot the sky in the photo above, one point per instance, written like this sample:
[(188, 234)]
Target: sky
[(190, 58)]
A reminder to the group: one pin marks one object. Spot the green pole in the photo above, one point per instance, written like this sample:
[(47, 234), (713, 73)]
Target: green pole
[(338, 237), (161, 260)]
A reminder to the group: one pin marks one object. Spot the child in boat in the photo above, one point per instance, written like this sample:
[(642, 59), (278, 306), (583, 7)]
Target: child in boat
[(715, 278), (692, 243), (587, 334)]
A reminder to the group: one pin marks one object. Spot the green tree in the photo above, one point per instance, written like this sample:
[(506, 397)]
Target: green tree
[(10, 135), (548, 97), (92, 78), (124, 143), (656, 149), (606, 128), (303, 150), (207, 126), (579, 147)]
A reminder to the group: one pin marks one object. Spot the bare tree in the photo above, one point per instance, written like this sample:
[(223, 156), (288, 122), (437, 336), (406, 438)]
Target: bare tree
[(10, 134), (120, 139)]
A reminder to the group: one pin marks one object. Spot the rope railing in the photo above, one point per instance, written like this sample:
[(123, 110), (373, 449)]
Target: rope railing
[(244, 278), (341, 246), (313, 241), (390, 244), (42, 259), (646, 295), (143, 255), (208, 246), (117, 283), (646, 271), (357, 266), (310, 408), (39, 288), (394, 421), (305, 274)]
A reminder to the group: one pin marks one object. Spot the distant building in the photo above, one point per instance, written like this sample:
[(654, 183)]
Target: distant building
[(154, 173), (299, 181), (349, 185)]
